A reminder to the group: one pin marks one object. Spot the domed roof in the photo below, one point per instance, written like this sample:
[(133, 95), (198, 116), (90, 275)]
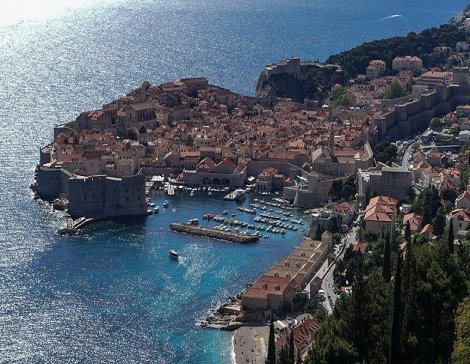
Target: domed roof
[(143, 130)]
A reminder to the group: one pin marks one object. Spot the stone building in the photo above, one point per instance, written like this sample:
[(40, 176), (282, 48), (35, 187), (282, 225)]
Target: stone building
[(375, 69), (95, 196), (380, 216), (407, 63), (290, 66), (394, 181), (278, 286)]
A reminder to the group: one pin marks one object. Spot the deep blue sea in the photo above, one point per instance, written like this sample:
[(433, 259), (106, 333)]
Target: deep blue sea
[(112, 295)]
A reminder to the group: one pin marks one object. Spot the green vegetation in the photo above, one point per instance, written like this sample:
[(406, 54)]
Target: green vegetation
[(439, 222), (450, 238), (341, 97), (461, 351), (394, 91), (385, 152), (407, 320), (355, 61), (72, 125), (315, 84), (387, 266), (427, 204), (435, 123), (410, 317), (343, 190), (271, 359)]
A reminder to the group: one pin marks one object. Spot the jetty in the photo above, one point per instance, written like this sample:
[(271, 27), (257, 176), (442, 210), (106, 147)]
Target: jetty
[(238, 238)]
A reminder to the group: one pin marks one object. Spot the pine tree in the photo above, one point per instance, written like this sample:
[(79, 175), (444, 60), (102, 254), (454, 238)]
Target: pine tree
[(395, 348), (408, 232), (271, 359), (450, 238), (387, 269), (291, 348)]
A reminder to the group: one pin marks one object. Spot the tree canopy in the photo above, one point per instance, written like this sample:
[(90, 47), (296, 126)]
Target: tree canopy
[(414, 313), (385, 152), (355, 61), (394, 91)]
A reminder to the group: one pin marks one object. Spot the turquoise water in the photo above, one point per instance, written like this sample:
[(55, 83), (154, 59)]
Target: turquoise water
[(112, 295)]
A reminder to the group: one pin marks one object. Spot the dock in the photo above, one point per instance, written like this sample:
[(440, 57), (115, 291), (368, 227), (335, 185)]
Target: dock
[(73, 226), (214, 233)]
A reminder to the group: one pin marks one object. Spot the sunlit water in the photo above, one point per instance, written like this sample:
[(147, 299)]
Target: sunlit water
[(112, 295)]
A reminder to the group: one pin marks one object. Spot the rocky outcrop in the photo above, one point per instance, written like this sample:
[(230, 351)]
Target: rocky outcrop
[(315, 83)]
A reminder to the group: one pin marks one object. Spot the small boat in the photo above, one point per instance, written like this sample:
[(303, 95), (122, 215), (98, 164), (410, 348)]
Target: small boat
[(156, 209), (165, 204), (191, 194), (209, 193), (173, 254), (174, 209), (225, 212)]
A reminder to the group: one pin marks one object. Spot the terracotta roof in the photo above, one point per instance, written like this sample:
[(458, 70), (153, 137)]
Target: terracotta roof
[(427, 229), (414, 219), (268, 285), (460, 214), (360, 246)]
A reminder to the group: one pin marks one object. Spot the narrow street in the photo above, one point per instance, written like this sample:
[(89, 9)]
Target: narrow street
[(328, 281)]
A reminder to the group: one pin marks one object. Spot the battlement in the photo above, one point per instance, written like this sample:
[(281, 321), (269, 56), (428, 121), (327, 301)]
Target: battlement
[(290, 66)]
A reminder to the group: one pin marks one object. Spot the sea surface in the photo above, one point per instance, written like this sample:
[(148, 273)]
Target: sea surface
[(112, 295)]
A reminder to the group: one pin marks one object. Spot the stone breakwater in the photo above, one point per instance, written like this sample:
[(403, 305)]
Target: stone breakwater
[(214, 234)]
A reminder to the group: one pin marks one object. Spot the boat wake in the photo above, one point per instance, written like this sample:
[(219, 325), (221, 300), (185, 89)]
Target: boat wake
[(392, 16)]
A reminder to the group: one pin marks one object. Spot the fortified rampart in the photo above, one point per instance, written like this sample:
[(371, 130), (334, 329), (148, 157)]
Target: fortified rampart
[(414, 117), (95, 196)]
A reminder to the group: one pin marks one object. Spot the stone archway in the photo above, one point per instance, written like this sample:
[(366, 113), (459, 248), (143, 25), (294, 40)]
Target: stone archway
[(215, 182), (206, 181), (225, 182)]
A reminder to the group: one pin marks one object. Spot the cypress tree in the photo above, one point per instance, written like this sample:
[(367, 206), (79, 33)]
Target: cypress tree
[(408, 232), (387, 269), (359, 300), (395, 349), (271, 359), (299, 358), (318, 233), (450, 238), (291, 348), (410, 307), (283, 356)]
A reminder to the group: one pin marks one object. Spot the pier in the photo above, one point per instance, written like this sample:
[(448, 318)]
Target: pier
[(214, 233)]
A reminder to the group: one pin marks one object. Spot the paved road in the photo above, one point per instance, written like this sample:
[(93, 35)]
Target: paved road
[(328, 282)]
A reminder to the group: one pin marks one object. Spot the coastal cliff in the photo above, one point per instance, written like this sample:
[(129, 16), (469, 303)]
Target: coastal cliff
[(314, 83)]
